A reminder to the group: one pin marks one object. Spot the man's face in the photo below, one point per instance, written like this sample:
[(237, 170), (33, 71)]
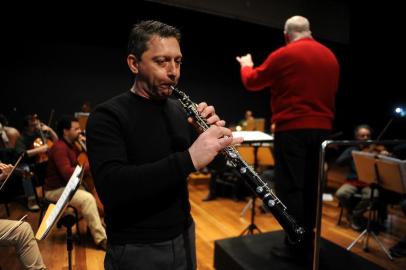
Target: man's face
[(72, 134), (33, 125), (159, 67), (363, 134)]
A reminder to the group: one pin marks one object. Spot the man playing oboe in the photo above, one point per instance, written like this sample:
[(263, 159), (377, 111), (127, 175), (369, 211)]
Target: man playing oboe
[(141, 150)]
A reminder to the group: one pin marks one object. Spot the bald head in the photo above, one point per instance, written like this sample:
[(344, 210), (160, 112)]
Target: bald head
[(297, 27)]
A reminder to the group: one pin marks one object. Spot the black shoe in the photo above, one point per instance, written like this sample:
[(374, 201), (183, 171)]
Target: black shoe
[(209, 197)]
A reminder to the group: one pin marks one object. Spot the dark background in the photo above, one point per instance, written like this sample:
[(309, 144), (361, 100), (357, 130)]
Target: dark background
[(57, 57)]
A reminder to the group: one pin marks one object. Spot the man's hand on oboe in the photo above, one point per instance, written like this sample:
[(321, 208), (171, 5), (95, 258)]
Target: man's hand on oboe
[(209, 144)]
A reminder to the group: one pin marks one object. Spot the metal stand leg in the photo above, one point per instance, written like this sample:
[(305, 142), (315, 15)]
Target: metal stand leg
[(368, 231), (252, 227), (365, 234), (248, 205), (68, 221)]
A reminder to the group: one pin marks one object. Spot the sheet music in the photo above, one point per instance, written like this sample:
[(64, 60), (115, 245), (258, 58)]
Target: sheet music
[(365, 166), (63, 201), (396, 173), (253, 136), (388, 172)]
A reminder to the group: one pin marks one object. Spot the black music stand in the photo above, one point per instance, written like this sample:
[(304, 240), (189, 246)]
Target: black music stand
[(252, 226), (254, 139), (54, 213), (372, 169)]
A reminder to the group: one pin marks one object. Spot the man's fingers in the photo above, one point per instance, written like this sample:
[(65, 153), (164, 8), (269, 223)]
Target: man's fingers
[(220, 132), (224, 142), (221, 123), (227, 141), (237, 140), (207, 112), (201, 106)]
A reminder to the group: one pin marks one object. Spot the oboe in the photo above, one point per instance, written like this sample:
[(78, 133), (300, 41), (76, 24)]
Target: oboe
[(257, 185)]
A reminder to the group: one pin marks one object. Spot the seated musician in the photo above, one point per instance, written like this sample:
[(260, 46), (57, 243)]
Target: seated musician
[(244, 124), (61, 164), (8, 134), (22, 238), (8, 139), (355, 205), (35, 140)]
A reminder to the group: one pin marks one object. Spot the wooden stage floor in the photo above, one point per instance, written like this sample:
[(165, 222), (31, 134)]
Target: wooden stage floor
[(215, 220)]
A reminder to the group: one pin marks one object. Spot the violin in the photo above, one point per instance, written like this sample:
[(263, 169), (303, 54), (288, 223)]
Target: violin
[(88, 182), (38, 142), (42, 140), (376, 149)]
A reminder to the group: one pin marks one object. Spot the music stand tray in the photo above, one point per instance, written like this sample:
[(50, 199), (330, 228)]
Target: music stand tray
[(251, 137), (392, 173), (365, 166), (55, 211)]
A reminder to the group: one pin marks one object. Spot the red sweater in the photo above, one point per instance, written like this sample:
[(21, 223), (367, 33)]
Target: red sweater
[(62, 160), (303, 76)]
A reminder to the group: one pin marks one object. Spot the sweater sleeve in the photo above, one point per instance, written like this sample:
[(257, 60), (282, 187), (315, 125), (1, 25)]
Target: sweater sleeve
[(118, 182), (255, 79)]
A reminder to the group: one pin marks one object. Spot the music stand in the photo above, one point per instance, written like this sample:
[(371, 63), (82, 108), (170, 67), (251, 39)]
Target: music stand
[(366, 165), (254, 139), (392, 172), (54, 212)]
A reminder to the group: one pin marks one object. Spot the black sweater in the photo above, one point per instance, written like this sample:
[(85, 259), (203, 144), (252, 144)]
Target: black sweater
[(138, 155)]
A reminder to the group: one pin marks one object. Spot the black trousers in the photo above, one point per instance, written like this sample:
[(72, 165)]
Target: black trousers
[(296, 174), (176, 254)]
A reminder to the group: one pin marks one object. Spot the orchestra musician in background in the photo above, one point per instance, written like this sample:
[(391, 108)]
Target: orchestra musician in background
[(63, 158), (35, 140), (346, 194), (142, 148), (8, 134), (22, 237), (242, 124)]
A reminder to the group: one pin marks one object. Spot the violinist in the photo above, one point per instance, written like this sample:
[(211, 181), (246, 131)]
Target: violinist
[(8, 138), (22, 237), (35, 140), (63, 158), (356, 205), (8, 135)]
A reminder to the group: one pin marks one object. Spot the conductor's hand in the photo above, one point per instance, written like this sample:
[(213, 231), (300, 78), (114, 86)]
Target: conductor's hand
[(209, 144), (245, 60)]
